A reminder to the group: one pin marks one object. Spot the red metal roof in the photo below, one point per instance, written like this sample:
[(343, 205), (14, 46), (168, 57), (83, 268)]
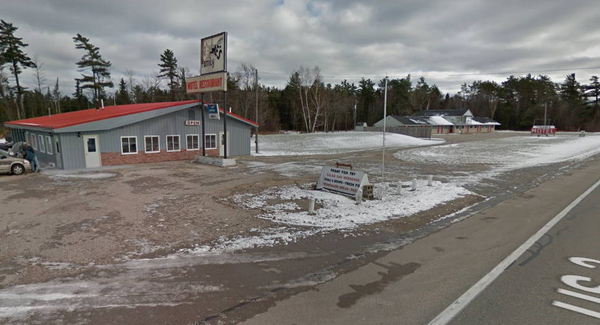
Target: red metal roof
[(62, 120)]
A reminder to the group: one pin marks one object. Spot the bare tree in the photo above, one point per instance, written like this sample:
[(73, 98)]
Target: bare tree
[(40, 78)]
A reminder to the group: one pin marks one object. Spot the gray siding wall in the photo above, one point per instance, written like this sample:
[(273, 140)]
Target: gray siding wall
[(44, 158), (174, 124), (72, 151)]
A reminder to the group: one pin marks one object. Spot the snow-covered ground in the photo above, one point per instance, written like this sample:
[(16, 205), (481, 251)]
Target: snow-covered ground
[(342, 213), (333, 142), (508, 153)]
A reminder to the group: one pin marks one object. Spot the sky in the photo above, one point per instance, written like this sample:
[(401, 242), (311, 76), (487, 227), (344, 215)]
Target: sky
[(447, 42)]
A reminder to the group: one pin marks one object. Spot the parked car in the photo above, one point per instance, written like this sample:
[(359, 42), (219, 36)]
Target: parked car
[(6, 145), (13, 165)]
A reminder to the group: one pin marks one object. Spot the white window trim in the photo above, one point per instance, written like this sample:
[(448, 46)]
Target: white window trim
[(216, 139), (167, 142), (41, 143), (49, 148), (136, 145), (152, 136), (187, 145)]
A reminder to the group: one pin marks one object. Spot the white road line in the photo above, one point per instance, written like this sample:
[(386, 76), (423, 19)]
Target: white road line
[(579, 295), (576, 309), (459, 304)]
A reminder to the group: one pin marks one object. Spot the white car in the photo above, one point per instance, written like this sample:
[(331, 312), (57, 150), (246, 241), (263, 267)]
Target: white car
[(13, 165)]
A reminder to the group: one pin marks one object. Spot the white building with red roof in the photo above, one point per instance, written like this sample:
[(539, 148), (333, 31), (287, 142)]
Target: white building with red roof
[(135, 133)]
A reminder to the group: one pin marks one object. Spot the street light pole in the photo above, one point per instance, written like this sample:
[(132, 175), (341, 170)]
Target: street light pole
[(256, 107), (384, 125)]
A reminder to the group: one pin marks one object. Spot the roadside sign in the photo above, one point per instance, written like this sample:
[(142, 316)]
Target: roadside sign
[(344, 181), (213, 54), (206, 83), (213, 111)]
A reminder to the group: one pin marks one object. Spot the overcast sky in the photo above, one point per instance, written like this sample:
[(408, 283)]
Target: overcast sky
[(447, 42)]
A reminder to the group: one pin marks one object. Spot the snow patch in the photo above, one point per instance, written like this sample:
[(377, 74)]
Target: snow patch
[(333, 142)]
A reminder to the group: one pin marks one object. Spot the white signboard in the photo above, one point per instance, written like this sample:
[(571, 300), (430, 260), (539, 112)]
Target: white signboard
[(213, 54), (342, 180), (207, 83), (192, 123)]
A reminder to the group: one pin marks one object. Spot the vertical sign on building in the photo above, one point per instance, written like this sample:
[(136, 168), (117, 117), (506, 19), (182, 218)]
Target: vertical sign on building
[(213, 111), (213, 54)]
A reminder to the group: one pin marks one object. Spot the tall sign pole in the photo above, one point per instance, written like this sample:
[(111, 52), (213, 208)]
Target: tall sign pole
[(213, 77), (225, 110), (203, 125), (256, 107), (384, 125)]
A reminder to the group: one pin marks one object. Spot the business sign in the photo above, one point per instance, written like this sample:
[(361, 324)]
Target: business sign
[(341, 180), (206, 83), (213, 111), (192, 123), (213, 54)]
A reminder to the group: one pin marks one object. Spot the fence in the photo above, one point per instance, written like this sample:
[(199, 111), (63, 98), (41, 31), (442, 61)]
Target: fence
[(418, 131)]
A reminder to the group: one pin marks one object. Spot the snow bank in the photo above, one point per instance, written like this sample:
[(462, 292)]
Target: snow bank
[(508, 153), (331, 143), (342, 213)]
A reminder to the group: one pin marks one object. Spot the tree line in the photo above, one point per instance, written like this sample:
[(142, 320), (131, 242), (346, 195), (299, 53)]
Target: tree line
[(307, 103)]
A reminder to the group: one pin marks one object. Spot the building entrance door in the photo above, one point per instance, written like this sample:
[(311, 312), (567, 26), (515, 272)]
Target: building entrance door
[(91, 150)]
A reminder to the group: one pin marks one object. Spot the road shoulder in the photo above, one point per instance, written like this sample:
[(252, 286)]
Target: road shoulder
[(413, 284)]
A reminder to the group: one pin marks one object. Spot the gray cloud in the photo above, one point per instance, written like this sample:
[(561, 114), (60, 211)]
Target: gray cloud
[(447, 42)]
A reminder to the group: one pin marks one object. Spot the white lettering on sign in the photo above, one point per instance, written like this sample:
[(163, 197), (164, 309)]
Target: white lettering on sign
[(341, 180), (573, 281), (192, 123)]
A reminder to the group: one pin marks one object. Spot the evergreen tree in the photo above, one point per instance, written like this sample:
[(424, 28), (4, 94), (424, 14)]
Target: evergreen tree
[(592, 91), (93, 62), (11, 52), (168, 69), (123, 94)]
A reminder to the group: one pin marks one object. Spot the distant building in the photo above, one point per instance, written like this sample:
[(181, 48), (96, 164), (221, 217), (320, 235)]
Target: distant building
[(128, 134), (443, 121)]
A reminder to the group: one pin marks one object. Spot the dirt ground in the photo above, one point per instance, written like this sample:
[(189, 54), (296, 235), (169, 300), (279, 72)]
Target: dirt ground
[(53, 226)]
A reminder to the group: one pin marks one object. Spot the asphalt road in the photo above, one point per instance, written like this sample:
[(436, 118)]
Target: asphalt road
[(415, 284), (528, 291)]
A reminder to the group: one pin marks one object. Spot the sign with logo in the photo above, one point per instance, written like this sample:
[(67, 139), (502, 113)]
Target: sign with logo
[(340, 180), (192, 123), (206, 83), (213, 111), (213, 54)]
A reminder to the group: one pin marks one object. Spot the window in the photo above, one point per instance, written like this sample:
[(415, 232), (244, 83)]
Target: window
[(192, 142), (32, 141), (49, 145), (91, 145), (41, 145), (152, 143), (173, 143), (211, 141), (128, 145)]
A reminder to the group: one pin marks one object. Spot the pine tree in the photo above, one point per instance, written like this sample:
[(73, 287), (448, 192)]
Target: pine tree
[(123, 94), (168, 69), (11, 52), (93, 62), (592, 91)]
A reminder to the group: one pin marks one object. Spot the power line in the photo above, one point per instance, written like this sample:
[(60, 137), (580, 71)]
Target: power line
[(341, 77)]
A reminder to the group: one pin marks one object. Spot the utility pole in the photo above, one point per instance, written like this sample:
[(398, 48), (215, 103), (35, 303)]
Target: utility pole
[(384, 125), (545, 112), (256, 107), (354, 115)]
